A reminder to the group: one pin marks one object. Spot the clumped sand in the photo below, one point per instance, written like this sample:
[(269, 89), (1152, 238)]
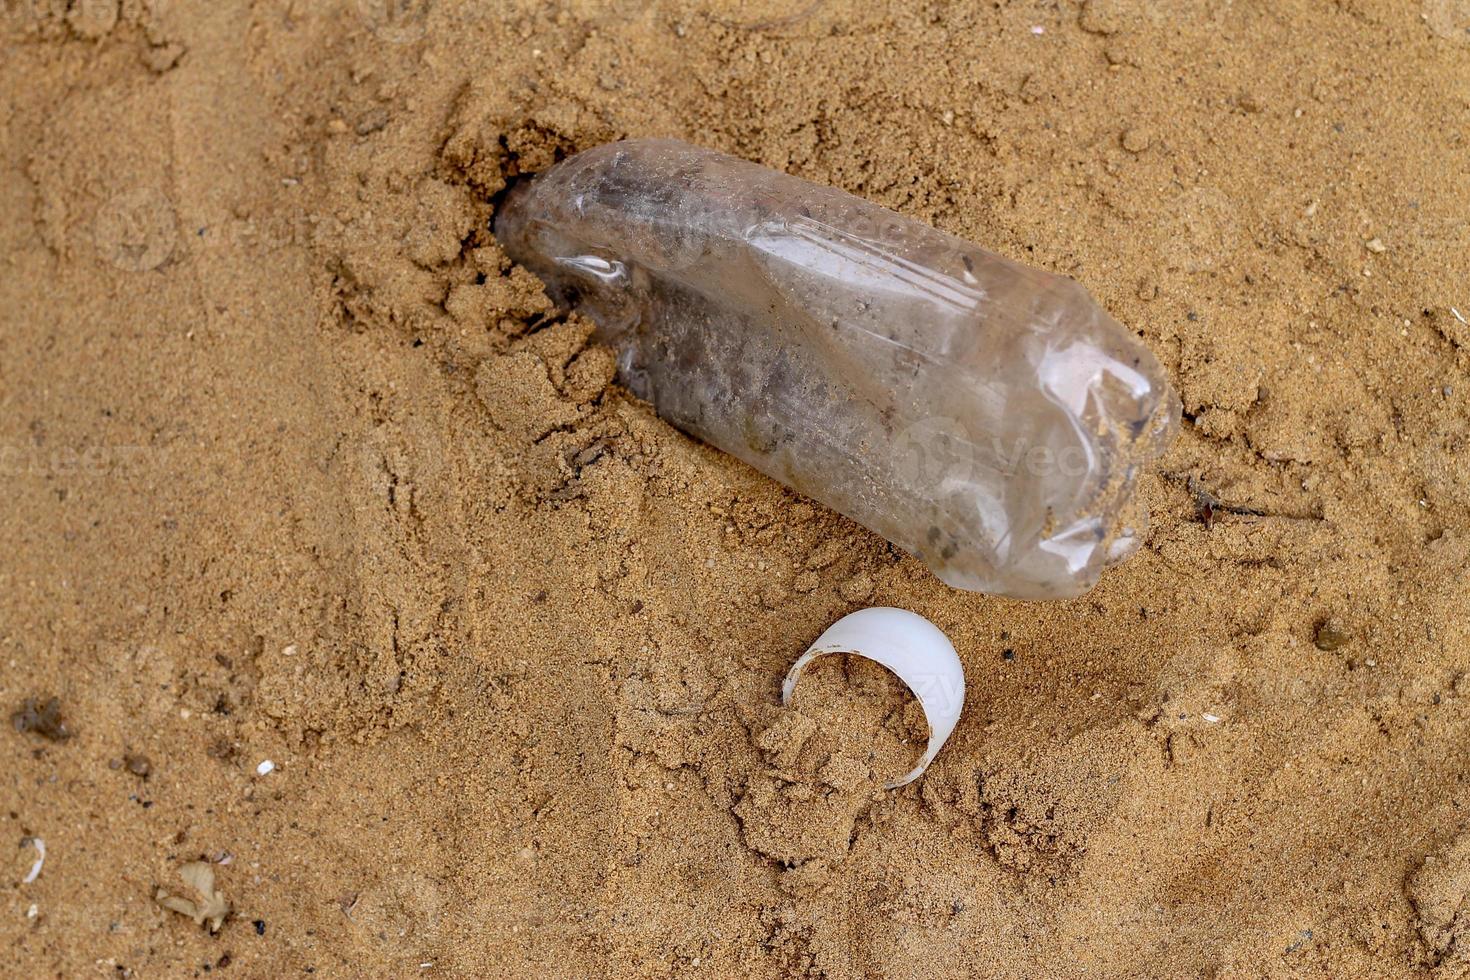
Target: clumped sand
[(298, 467)]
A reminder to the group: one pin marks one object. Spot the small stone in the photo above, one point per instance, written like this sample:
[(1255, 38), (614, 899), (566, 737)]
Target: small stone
[(42, 718), (1331, 636), (1249, 102), (1136, 140), (162, 57), (372, 121), (138, 765), (1376, 246), (265, 768)]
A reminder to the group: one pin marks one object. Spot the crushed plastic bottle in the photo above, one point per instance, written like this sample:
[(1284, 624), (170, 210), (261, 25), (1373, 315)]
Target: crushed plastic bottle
[(987, 417)]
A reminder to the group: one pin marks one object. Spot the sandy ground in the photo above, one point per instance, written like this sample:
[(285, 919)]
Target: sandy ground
[(298, 468)]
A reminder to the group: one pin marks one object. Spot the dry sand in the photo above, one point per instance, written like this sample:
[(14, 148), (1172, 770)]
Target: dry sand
[(297, 467)]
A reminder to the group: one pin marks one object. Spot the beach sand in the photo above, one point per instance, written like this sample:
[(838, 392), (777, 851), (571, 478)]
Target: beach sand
[(300, 468)]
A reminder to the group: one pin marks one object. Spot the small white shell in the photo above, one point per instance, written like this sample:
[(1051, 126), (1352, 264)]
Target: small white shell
[(40, 847), (915, 650)]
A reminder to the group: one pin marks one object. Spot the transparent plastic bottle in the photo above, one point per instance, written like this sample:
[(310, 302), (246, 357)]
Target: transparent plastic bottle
[(988, 417)]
